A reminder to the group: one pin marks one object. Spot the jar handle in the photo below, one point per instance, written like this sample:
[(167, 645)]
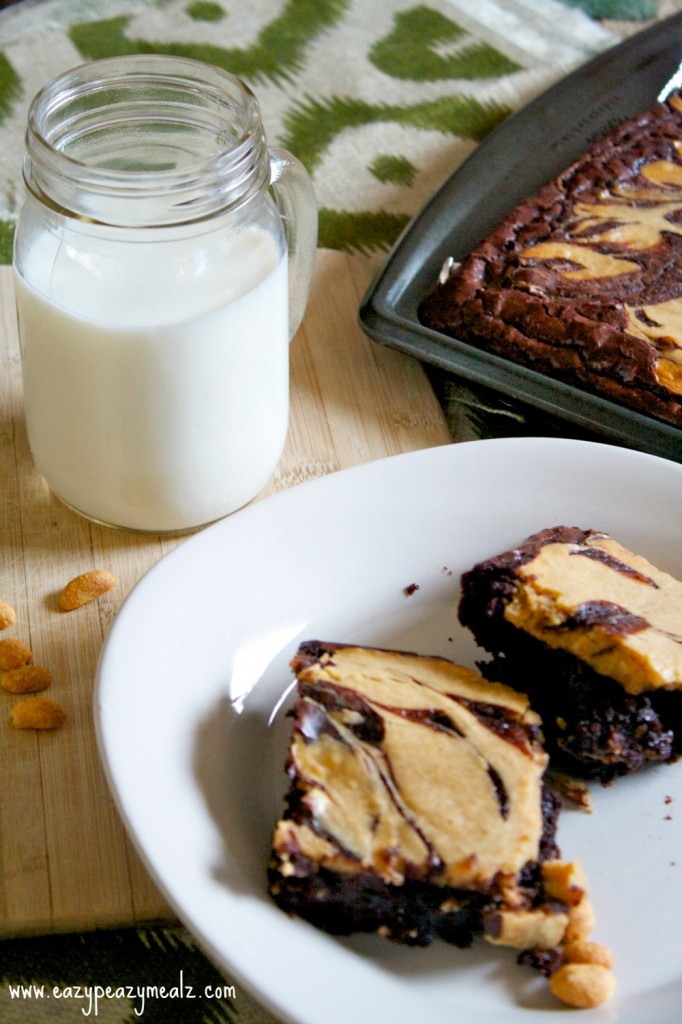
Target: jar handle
[(295, 198)]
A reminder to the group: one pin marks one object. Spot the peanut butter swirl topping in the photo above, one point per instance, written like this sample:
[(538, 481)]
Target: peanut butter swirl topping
[(621, 235), (613, 609), (414, 768), (417, 810)]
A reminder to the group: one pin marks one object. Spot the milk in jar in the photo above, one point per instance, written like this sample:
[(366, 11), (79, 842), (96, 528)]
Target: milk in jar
[(140, 396), (162, 258)]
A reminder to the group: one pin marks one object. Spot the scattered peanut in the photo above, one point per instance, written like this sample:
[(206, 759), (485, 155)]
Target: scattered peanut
[(587, 952), (8, 616), (86, 587), (14, 654), (37, 713), (26, 679), (581, 921), (582, 985)]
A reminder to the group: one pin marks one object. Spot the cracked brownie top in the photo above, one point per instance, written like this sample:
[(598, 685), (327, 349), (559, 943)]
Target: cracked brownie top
[(583, 281)]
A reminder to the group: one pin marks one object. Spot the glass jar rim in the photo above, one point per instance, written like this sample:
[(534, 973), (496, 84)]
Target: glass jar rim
[(217, 110)]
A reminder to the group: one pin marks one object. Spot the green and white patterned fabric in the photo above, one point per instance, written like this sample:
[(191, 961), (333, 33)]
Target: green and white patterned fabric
[(381, 100)]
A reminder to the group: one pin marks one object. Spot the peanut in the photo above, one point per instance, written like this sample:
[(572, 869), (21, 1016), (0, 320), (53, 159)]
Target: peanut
[(581, 921), (587, 952), (37, 713), (14, 654), (8, 616), (86, 587), (582, 985), (26, 679)]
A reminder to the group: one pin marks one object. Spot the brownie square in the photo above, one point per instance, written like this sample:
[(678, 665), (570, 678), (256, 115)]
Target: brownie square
[(418, 809), (592, 632)]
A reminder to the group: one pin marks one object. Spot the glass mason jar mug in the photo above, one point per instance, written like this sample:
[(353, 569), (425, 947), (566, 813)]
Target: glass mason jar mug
[(162, 259)]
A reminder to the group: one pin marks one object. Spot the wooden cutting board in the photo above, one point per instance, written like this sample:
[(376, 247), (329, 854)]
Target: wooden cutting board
[(65, 859)]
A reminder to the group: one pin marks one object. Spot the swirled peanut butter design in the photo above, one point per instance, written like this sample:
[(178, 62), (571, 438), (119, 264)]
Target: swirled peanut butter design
[(582, 281), (415, 767), (629, 219), (634, 227), (417, 808), (661, 325), (591, 262), (605, 605)]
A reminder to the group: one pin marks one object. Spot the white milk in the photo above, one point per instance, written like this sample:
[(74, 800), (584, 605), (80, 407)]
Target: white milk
[(155, 400)]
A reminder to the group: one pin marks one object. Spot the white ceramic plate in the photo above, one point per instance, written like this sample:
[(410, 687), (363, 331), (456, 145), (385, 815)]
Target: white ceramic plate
[(194, 684)]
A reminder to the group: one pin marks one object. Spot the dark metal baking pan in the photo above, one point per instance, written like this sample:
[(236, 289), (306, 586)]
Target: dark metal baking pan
[(528, 149)]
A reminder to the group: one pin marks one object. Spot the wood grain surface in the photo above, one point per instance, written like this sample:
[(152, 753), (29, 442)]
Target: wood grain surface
[(65, 859)]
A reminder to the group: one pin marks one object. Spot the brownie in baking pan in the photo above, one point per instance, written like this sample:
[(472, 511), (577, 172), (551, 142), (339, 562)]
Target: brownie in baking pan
[(583, 281), (592, 632), (418, 808)]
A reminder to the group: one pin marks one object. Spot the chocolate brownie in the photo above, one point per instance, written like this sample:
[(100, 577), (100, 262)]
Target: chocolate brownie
[(418, 807), (583, 281), (593, 634)]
